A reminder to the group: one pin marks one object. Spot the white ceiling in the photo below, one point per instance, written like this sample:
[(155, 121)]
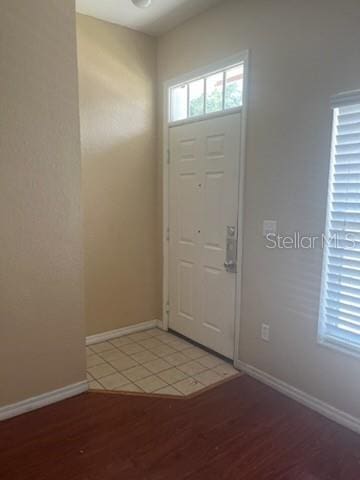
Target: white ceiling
[(161, 16)]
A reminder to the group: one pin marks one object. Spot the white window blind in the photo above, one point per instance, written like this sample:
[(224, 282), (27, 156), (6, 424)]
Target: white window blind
[(340, 293)]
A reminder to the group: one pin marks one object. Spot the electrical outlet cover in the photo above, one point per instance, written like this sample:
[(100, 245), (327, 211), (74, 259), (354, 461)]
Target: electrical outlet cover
[(265, 332)]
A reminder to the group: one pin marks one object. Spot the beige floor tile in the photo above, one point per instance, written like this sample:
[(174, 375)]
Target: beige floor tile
[(123, 363), (136, 373), (145, 356), (179, 344), (151, 343), (154, 361), (114, 380), (166, 337), (112, 354), (225, 370), (176, 359), (150, 331), (171, 376), (194, 352), (94, 360), (121, 341), (94, 385), (131, 348), (192, 368), (129, 387), (210, 361), (162, 350), (136, 337), (188, 386), (157, 366), (150, 384), (101, 370), (209, 377), (154, 332), (169, 391), (101, 347)]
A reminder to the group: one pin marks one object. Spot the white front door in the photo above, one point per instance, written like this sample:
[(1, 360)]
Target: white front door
[(203, 207)]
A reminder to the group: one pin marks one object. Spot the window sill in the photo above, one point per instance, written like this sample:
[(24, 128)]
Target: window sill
[(337, 345)]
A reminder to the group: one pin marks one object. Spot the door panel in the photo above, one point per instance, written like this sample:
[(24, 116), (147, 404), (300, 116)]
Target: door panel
[(186, 288), (187, 197), (203, 202), (213, 194)]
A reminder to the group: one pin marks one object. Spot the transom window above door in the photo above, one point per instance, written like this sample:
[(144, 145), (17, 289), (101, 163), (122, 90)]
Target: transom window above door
[(216, 92)]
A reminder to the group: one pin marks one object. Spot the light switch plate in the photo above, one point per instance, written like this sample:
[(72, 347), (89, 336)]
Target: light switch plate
[(269, 226)]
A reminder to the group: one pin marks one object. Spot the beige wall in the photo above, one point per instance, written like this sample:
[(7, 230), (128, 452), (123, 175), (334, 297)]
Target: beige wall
[(301, 54), (117, 73), (41, 307)]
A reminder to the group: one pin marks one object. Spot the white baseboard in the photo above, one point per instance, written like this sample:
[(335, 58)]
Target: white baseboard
[(315, 404), (43, 400), (103, 337)]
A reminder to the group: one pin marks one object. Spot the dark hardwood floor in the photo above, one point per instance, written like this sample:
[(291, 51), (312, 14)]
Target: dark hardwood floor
[(239, 430)]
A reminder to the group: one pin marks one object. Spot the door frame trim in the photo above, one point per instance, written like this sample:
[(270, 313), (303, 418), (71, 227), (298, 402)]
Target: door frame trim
[(223, 64)]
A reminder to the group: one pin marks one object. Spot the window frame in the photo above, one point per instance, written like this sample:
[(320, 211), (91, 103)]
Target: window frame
[(337, 101), (221, 67)]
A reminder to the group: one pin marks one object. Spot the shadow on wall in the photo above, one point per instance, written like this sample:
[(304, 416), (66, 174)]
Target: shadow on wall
[(117, 75)]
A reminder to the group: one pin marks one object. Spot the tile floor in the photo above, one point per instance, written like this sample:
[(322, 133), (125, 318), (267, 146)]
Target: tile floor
[(154, 361)]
